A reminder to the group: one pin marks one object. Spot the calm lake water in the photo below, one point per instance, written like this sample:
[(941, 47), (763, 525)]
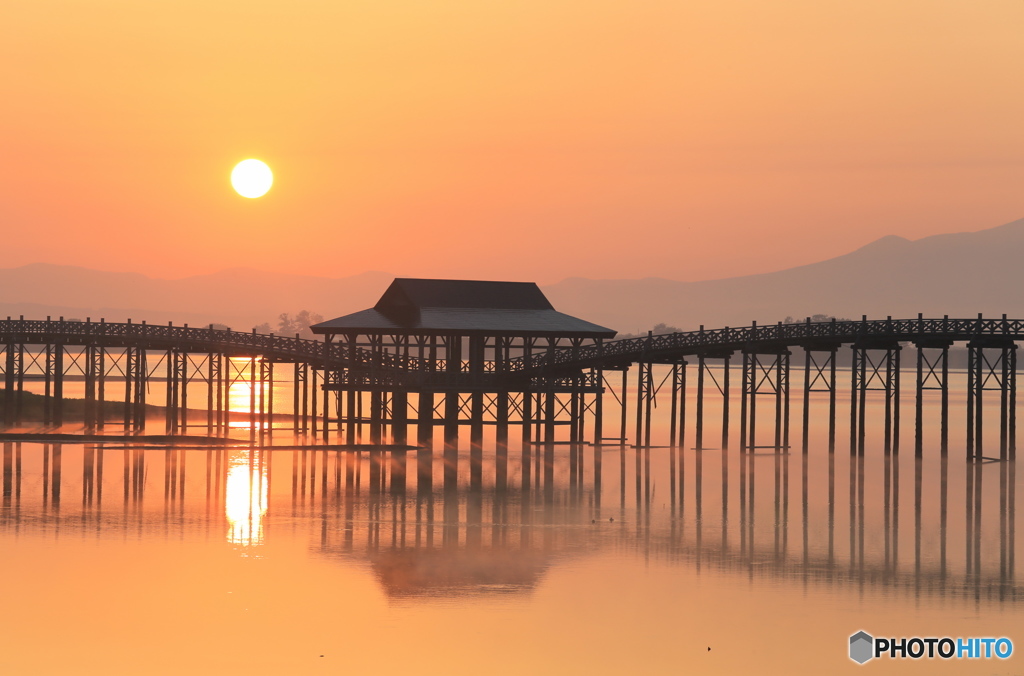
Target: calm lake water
[(150, 560)]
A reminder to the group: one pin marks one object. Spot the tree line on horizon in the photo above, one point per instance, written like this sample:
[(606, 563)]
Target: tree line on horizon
[(814, 319), (662, 328), (287, 325)]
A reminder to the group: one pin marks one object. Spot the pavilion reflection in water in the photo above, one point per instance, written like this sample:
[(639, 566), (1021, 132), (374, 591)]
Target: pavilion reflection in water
[(886, 524)]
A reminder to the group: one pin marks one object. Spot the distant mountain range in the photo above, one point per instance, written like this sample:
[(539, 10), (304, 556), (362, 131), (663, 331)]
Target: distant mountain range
[(956, 274), (239, 298)]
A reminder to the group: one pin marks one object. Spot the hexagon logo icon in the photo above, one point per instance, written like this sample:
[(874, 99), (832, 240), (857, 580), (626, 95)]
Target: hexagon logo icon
[(861, 647)]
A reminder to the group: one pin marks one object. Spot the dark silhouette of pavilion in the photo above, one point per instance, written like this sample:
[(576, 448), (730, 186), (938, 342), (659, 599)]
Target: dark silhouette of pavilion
[(491, 313), (462, 341)]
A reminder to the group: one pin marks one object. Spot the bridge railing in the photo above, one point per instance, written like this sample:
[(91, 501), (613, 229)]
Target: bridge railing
[(339, 355), (269, 345), (331, 355), (772, 335)]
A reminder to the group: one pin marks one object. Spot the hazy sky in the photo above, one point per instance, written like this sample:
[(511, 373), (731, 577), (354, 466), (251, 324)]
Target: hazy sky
[(505, 140)]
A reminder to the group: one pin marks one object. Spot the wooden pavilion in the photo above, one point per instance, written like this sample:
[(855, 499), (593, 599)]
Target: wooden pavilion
[(462, 342)]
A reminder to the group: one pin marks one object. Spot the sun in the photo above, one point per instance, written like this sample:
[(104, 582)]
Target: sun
[(251, 178)]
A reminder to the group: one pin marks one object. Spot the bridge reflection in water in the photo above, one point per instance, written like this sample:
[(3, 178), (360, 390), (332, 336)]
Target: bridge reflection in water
[(914, 526)]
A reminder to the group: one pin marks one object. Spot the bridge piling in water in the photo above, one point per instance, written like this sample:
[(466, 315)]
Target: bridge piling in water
[(991, 374), (553, 389), (881, 376), (929, 379), (817, 381), (765, 377)]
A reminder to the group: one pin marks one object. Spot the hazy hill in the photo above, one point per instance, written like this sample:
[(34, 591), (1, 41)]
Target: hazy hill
[(237, 297), (956, 274)]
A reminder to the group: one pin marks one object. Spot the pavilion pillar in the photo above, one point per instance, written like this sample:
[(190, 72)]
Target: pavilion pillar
[(400, 417), (424, 439)]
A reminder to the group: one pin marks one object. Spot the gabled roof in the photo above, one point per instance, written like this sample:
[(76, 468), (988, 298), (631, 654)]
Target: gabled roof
[(463, 307), (460, 293)]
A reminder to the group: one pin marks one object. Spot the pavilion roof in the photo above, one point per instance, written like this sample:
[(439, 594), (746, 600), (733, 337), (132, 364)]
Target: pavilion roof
[(463, 307)]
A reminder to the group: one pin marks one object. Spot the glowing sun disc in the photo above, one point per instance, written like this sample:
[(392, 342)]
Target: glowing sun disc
[(251, 178)]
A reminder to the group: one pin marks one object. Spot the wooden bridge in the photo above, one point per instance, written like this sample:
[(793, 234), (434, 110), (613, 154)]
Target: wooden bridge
[(552, 379)]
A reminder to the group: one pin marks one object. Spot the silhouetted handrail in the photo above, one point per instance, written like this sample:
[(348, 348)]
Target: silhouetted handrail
[(335, 356), (157, 336), (770, 337)]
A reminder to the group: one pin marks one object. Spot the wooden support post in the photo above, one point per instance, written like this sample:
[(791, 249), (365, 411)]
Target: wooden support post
[(351, 420), (785, 409), (550, 402), (48, 402), (682, 405), (451, 440), (807, 397), (314, 420), (1004, 400), (622, 421), (641, 396), (778, 403), (745, 386), (862, 404), (979, 387), (700, 402), (328, 342), (268, 387), (400, 417), (376, 416), (183, 378), (223, 385), (673, 422), (1012, 423), (9, 385), (598, 432), (476, 440), (580, 427), (501, 440), (326, 408), (305, 396), (897, 351), (130, 366), (261, 386), (424, 438), (90, 387), (887, 443), (574, 412), (944, 413), (101, 390), (832, 402), (211, 377), (58, 384), (648, 401), (855, 365), (296, 397), (755, 377), (141, 382), (252, 398), (169, 372), (725, 404), (20, 365), (527, 449), (919, 406)]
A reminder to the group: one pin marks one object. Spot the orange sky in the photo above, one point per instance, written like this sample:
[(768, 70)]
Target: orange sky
[(513, 140)]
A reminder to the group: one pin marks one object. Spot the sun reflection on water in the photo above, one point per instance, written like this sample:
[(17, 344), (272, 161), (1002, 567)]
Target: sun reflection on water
[(245, 500), (245, 399)]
